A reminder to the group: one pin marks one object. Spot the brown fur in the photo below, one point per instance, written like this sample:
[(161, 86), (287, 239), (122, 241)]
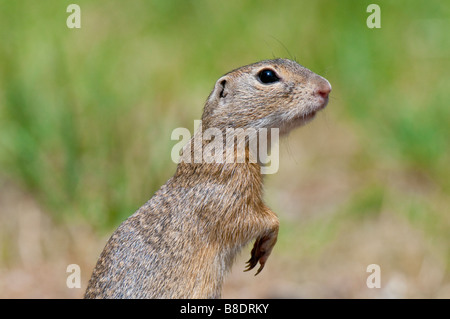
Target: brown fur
[(183, 241)]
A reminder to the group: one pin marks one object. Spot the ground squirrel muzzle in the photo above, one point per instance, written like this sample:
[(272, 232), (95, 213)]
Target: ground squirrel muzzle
[(183, 241)]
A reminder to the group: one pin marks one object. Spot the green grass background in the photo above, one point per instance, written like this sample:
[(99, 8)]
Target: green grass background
[(86, 114)]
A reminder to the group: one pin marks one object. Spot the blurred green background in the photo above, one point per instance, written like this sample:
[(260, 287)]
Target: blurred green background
[(86, 117)]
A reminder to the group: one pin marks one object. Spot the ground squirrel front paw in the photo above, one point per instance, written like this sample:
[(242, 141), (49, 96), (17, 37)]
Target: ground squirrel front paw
[(261, 251)]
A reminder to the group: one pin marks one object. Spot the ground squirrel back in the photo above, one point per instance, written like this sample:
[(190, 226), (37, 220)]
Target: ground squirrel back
[(183, 241)]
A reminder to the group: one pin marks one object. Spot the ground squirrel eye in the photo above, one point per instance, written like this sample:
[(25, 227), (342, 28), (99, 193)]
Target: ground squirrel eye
[(267, 76)]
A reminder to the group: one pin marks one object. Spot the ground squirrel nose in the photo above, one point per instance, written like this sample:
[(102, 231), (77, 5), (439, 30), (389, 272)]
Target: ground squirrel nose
[(323, 89)]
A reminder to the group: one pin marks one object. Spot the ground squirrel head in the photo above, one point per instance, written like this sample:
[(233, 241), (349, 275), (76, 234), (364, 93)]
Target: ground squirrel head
[(276, 93)]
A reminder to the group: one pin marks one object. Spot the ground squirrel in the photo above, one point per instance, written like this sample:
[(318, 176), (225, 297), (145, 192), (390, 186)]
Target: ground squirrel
[(183, 241)]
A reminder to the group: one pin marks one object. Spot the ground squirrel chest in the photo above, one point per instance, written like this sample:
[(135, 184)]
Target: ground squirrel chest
[(183, 241)]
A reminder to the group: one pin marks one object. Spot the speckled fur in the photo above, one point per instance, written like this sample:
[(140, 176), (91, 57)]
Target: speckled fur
[(183, 241)]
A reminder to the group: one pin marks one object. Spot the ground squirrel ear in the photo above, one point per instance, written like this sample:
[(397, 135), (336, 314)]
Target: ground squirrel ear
[(223, 92), (222, 87)]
